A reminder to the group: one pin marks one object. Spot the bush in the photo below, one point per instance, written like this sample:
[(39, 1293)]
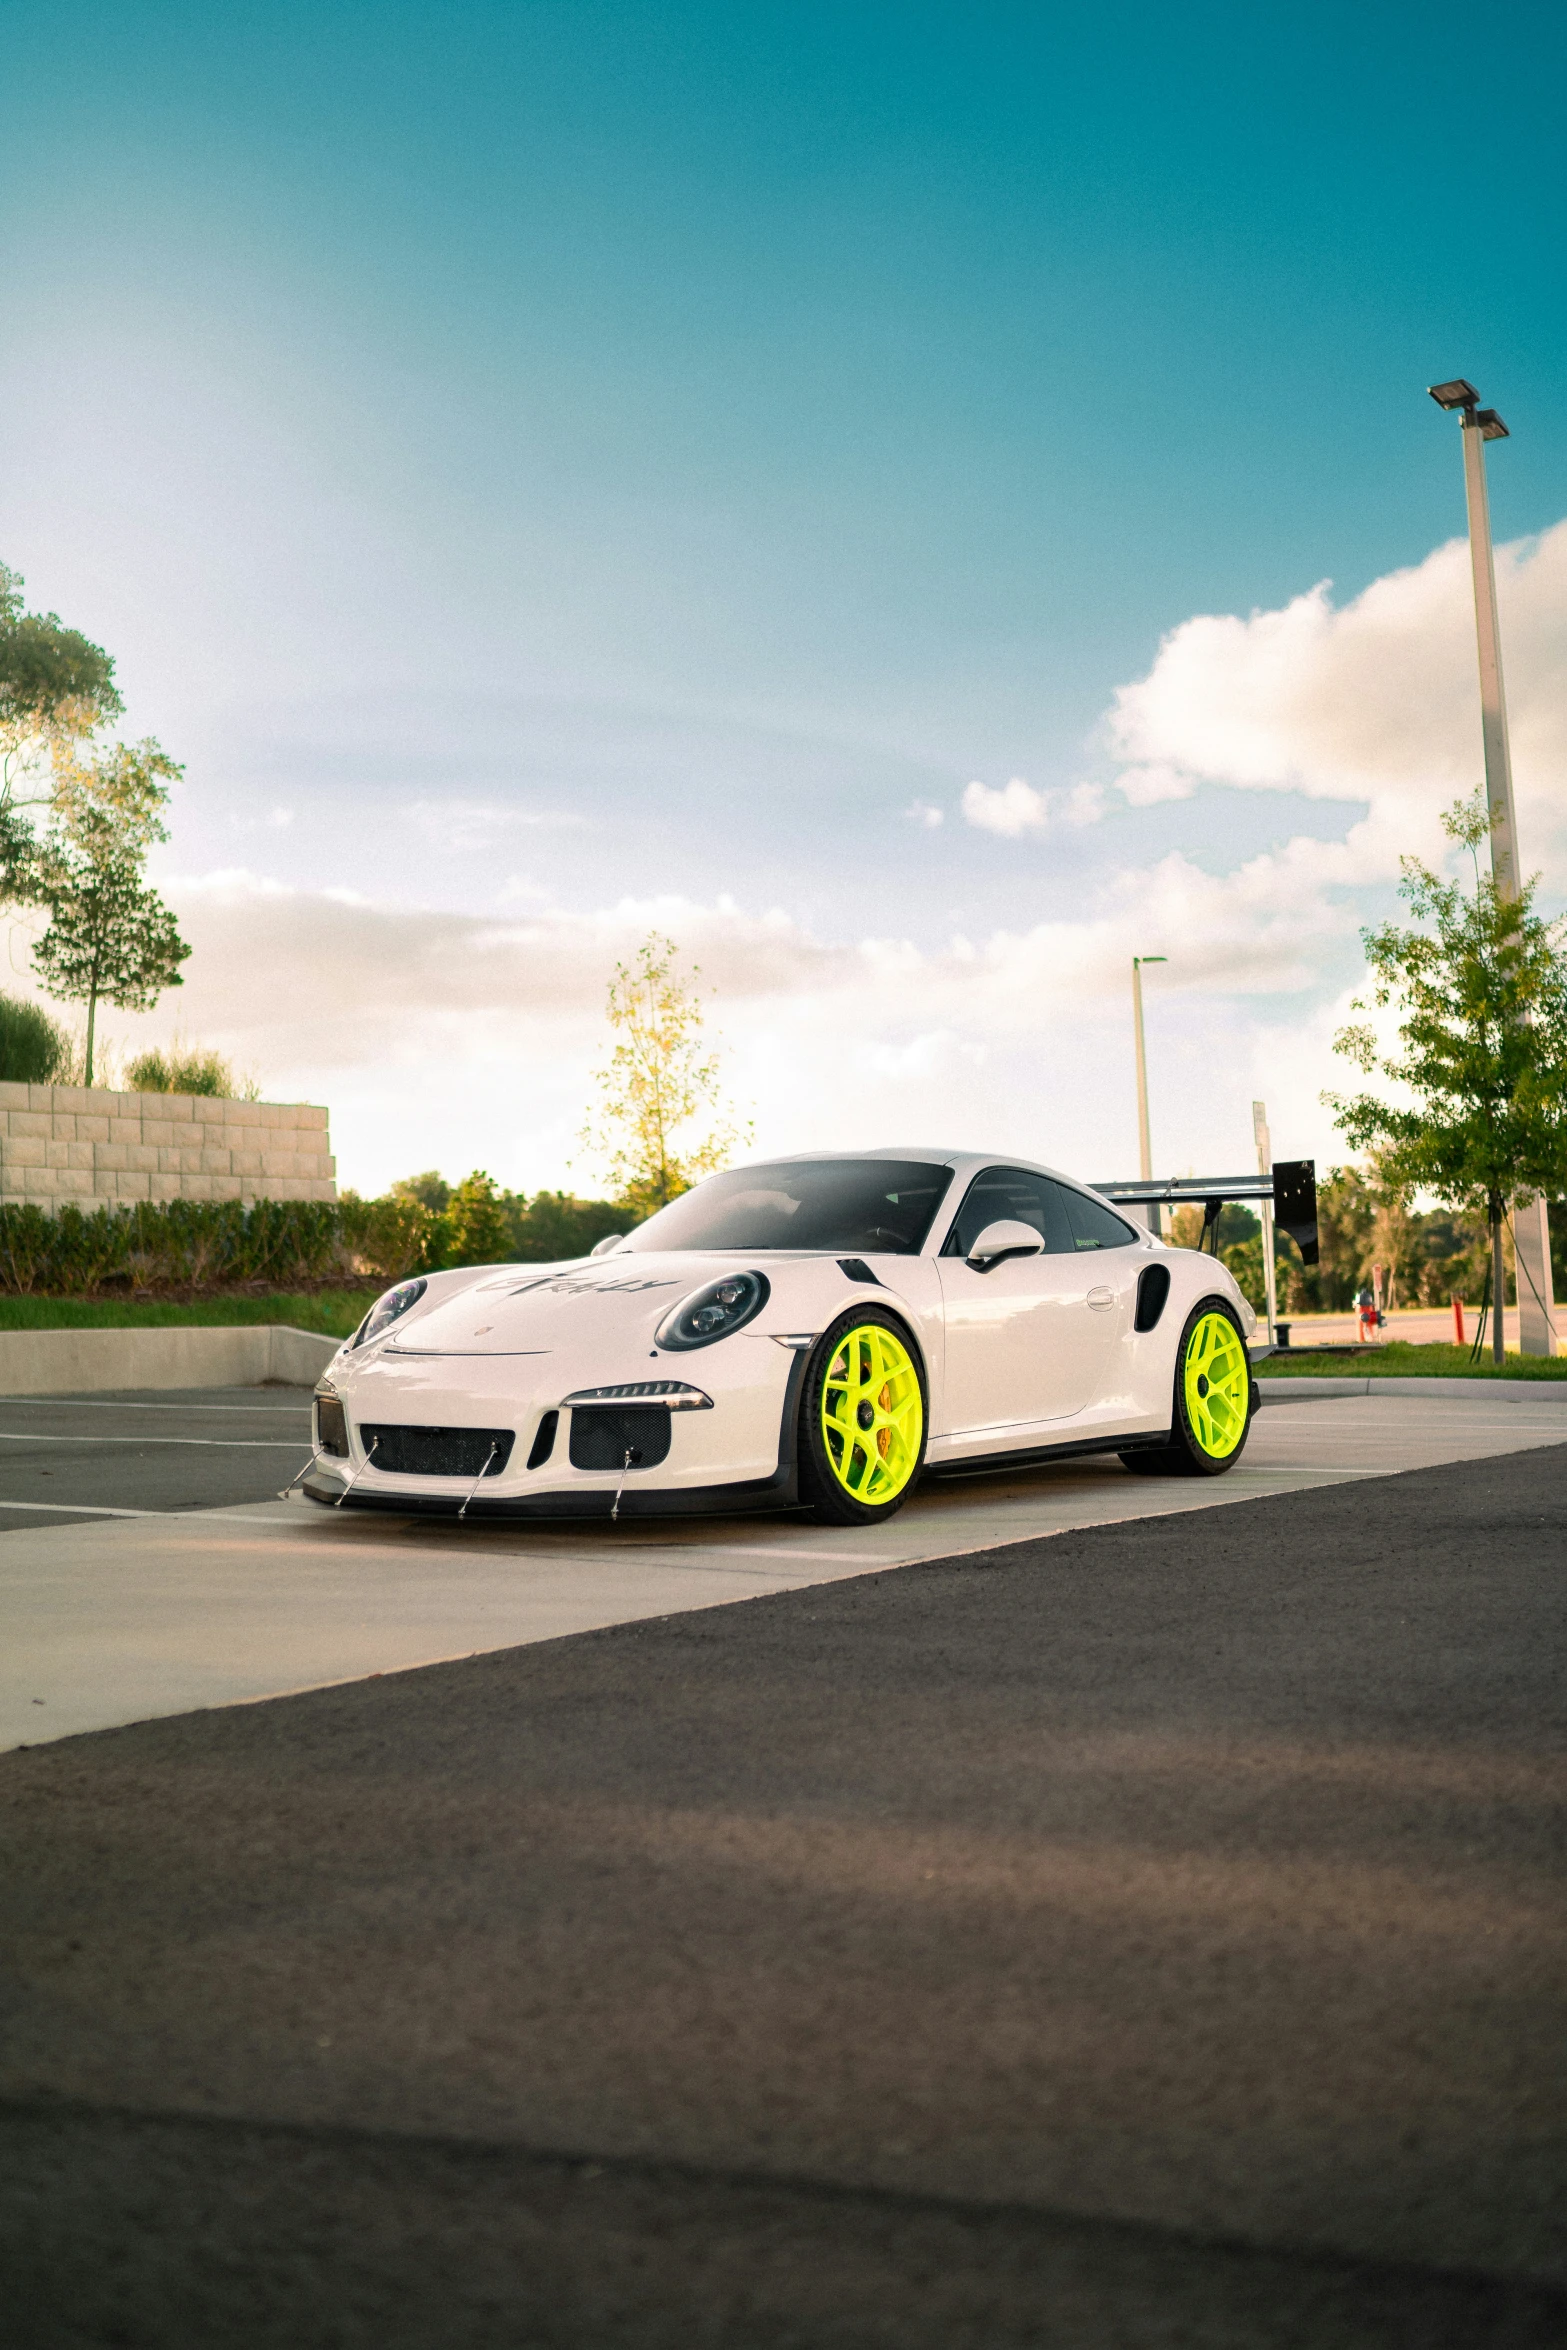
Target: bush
[(190, 1068), (189, 1244), (34, 1050)]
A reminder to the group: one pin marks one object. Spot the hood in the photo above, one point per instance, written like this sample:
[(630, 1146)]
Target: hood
[(523, 1309)]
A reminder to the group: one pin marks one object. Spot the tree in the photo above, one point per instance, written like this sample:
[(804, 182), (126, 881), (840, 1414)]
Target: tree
[(662, 1121), (476, 1223), (55, 687), (1481, 994), (109, 936)]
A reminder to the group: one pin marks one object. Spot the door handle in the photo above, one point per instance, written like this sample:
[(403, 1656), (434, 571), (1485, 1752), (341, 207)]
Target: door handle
[(1101, 1299)]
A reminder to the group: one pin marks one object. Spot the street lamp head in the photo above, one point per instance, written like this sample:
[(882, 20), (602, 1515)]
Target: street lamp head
[(1457, 394), (1150, 959), (1491, 426)]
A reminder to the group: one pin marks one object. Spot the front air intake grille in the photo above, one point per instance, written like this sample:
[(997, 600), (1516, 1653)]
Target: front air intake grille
[(438, 1452), (601, 1437)]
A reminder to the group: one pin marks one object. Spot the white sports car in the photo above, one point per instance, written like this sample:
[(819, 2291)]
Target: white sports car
[(815, 1331)]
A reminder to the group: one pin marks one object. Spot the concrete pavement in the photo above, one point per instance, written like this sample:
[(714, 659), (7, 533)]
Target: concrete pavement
[(204, 1594)]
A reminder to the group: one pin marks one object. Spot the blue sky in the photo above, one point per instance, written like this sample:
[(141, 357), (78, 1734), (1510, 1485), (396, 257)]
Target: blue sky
[(548, 469)]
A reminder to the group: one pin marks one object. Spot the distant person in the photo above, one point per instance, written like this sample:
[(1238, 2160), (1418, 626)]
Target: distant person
[(1366, 1307)]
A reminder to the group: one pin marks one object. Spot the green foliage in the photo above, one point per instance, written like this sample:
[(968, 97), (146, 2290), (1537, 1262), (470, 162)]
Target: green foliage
[(50, 676), (109, 935), (335, 1313), (390, 1237), (1398, 1359), (186, 1068), (1481, 993), (55, 687), (430, 1188), (477, 1227), (34, 1050), (174, 1243)]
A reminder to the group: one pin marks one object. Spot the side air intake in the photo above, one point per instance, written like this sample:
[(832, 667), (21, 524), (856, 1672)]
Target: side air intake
[(1153, 1288)]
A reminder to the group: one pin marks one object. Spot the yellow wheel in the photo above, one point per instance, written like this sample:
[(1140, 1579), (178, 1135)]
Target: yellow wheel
[(1213, 1400), (864, 1420), (1216, 1385)]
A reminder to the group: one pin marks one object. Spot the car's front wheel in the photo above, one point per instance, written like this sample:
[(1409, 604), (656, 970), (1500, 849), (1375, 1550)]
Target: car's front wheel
[(862, 1420), (1211, 1409)]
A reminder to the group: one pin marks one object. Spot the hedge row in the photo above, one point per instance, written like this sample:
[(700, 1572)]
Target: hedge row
[(197, 1244)]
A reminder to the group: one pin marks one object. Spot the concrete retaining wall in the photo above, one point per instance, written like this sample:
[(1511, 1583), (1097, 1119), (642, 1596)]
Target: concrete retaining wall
[(72, 1143), (83, 1362)]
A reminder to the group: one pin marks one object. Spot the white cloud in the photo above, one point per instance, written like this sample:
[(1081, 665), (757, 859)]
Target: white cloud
[(922, 813), (1376, 700), (1015, 809)]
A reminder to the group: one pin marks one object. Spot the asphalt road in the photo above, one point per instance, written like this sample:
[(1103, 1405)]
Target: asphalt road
[(1152, 1935), (65, 1457)]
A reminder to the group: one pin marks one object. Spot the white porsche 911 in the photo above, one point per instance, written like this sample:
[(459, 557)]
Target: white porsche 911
[(816, 1331)]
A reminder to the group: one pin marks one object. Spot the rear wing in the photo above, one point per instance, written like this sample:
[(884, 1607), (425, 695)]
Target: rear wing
[(1291, 1188)]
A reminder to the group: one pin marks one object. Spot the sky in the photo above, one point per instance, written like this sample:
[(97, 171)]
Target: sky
[(916, 504)]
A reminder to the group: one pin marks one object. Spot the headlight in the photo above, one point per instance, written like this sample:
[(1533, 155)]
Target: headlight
[(714, 1311), (388, 1309)]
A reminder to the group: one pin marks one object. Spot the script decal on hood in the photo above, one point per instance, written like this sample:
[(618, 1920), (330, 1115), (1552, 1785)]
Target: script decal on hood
[(574, 1285)]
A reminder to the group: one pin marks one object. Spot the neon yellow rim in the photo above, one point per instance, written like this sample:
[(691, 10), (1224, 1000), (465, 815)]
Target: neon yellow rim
[(873, 1416), (1217, 1382)]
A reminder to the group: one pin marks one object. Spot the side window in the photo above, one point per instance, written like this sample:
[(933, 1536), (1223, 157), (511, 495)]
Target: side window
[(1014, 1195), (1094, 1226)]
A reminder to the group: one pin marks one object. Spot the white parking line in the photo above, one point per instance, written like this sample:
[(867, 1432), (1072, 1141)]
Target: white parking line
[(227, 1443)]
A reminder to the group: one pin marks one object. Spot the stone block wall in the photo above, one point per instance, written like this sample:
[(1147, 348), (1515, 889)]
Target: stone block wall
[(64, 1144)]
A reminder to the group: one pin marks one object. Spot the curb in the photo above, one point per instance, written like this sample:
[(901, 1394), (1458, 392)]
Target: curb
[(1332, 1390), (84, 1362)]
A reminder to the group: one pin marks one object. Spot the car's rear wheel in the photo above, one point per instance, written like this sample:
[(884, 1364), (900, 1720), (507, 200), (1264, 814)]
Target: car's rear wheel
[(1211, 1409), (862, 1420)]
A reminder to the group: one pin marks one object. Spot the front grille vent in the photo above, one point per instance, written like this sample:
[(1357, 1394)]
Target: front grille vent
[(601, 1438), (438, 1452)]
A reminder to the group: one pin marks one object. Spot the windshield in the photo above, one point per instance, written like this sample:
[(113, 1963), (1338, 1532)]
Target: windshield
[(881, 1205)]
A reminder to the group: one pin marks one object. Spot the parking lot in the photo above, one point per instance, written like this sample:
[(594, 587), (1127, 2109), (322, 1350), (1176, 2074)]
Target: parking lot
[(147, 1565), (1134, 1920)]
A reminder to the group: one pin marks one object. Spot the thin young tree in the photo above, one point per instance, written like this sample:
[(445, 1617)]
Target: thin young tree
[(662, 1121), (110, 938), (1480, 993)]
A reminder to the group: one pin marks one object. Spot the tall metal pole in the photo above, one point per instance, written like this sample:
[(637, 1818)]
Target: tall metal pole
[(1259, 1127), (1531, 1223), (1144, 1147), (1493, 705)]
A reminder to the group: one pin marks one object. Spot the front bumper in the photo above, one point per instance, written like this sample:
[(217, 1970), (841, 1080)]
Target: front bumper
[(740, 1456)]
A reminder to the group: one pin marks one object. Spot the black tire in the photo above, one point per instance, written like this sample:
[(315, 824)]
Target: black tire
[(821, 1486), (1187, 1454)]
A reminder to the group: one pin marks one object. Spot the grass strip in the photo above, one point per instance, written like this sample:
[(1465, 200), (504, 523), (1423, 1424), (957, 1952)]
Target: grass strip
[(1402, 1359), (332, 1312)]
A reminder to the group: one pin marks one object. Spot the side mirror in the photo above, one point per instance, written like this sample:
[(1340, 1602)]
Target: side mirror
[(1004, 1239), (601, 1248)]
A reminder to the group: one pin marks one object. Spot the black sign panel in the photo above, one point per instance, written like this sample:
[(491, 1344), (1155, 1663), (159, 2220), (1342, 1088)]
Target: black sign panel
[(1295, 1203)]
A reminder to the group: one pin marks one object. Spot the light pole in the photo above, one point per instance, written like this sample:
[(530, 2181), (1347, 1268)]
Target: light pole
[(1259, 1127), (1531, 1227), (1144, 1150)]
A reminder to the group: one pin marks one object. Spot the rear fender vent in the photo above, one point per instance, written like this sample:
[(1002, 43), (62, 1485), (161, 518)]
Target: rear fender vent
[(438, 1452), (858, 1270), (1153, 1287), (602, 1435)]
